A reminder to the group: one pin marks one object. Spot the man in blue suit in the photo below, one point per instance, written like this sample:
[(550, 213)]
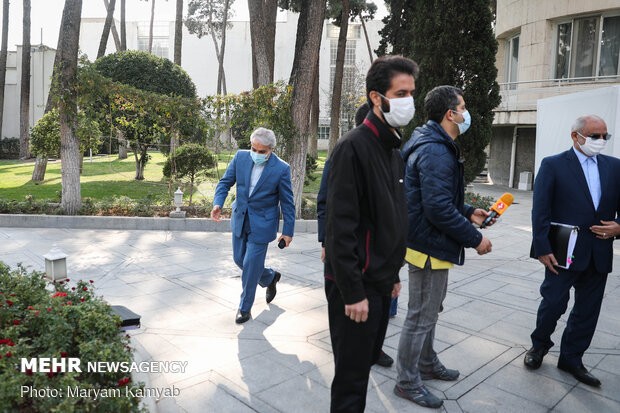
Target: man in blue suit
[(263, 184), (577, 187)]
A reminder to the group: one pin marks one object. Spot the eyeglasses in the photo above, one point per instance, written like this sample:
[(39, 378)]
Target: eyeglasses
[(605, 136)]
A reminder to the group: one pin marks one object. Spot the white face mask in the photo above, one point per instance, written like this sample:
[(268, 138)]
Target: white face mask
[(401, 111), (592, 147)]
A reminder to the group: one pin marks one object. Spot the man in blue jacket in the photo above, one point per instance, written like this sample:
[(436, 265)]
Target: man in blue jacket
[(440, 228), (263, 184), (578, 187)]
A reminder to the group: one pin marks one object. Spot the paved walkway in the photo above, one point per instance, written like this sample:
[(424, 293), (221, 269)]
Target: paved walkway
[(186, 288)]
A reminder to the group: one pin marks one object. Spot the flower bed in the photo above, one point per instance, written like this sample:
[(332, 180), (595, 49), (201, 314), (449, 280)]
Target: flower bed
[(63, 320)]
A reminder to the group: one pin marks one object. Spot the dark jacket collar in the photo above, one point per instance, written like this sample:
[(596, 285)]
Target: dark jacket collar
[(388, 139), (430, 132)]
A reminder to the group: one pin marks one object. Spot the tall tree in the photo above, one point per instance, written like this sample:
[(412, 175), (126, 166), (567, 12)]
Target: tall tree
[(123, 27), (151, 26), (106, 29), (210, 17), (3, 56), (307, 47), (334, 124), (24, 106), (178, 32), (115, 36), (364, 11), (454, 44), (263, 15), (67, 108)]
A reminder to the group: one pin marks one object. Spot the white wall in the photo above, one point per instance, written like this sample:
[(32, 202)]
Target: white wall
[(556, 115)]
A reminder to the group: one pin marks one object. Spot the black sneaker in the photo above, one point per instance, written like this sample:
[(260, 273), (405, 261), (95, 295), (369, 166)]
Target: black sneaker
[(419, 396), (442, 373)]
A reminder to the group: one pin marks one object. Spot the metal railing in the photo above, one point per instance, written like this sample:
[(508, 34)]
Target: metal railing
[(523, 95)]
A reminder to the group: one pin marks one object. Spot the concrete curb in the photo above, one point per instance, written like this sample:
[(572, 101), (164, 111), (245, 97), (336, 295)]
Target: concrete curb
[(131, 223)]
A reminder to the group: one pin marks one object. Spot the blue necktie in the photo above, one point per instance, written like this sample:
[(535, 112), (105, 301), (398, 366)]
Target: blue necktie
[(594, 182)]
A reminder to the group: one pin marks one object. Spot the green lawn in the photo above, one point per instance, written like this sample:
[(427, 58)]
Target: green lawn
[(108, 177)]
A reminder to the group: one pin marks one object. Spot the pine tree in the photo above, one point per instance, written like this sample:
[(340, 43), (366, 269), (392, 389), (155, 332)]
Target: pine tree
[(453, 43)]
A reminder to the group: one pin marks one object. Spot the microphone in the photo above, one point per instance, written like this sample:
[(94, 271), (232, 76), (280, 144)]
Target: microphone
[(498, 208), (282, 244)]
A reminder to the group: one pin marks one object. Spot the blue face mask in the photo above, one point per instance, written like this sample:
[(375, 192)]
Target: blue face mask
[(466, 121), (258, 158)]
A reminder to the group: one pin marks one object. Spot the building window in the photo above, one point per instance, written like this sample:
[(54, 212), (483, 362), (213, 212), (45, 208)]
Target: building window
[(588, 47), (512, 61), (348, 75), (323, 132), (353, 31), (161, 38)]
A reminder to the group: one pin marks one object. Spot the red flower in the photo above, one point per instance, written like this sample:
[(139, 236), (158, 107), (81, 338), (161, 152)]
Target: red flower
[(36, 312), (9, 302), (16, 322), (67, 280), (5, 341), (81, 299), (11, 344), (28, 372), (50, 374), (85, 289), (63, 354), (59, 295), (8, 354), (73, 288), (49, 309), (62, 303), (11, 295), (29, 307), (69, 303), (473, 199), (91, 281), (60, 282), (123, 382)]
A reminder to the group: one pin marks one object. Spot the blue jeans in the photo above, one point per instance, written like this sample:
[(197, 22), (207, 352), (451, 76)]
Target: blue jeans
[(250, 258), (427, 290)]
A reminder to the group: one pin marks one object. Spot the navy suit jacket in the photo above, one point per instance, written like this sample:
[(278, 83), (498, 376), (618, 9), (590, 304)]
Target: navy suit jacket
[(272, 190), (561, 195)]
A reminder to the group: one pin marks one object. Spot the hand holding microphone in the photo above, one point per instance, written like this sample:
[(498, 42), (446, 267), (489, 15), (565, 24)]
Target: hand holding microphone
[(498, 208)]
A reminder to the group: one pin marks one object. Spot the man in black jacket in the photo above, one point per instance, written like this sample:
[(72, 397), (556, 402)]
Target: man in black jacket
[(366, 229), (440, 227)]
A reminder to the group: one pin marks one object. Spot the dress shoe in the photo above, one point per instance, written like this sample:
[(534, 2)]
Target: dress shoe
[(384, 360), (534, 357), (271, 288), (242, 316), (580, 373)]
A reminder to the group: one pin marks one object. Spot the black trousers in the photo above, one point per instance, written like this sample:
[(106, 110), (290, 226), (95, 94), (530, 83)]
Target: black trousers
[(555, 291), (356, 348)]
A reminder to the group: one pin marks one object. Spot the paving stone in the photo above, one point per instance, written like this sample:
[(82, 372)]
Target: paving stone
[(487, 398)]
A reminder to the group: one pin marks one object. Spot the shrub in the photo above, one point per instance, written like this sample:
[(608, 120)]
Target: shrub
[(9, 148), (192, 161), (478, 201), (67, 320), (45, 135)]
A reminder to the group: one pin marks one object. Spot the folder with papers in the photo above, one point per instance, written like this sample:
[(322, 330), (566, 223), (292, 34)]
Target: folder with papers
[(562, 238)]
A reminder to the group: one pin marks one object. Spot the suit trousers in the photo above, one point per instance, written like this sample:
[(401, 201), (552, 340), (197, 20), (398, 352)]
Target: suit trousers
[(589, 288), (250, 258), (356, 348), (427, 290)]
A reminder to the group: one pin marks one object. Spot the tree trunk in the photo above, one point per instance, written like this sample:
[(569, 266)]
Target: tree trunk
[(24, 111), (140, 161), (307, 46), (259, 47), (221, 77), (117, 40), (81, 163), (313, 131), (3, 56), (174, 144), (366, 36), (151, 26), (67, 110), (220, 57), (270, 14), (122, 145), (123, 27), (334, 123), (40, 166), (103, 43), (178, 33)]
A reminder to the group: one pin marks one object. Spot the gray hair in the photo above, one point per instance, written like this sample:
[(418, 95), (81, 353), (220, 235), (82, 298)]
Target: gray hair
[(264, 136), (580, 123)]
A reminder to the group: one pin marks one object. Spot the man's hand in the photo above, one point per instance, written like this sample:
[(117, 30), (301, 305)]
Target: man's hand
[(479, 216), (484, 247), (286, 239), (396, 290), (323, 254), (609, 229), (549, 261), (358, 311), (216, 212)]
